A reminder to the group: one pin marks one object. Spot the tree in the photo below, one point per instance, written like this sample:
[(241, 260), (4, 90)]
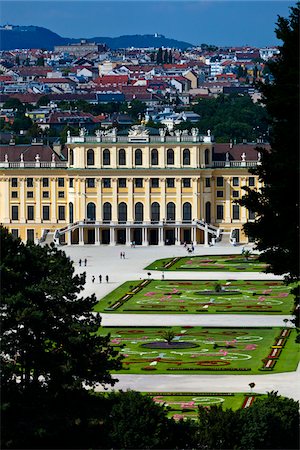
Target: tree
[(40, 61), (170, 57), (14, 103), (159, 56), (43, 101), (17, 60), (168, 335), (49, 332), (166, 57), (276, 228)]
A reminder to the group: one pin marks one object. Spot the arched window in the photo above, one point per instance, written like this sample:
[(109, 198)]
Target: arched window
[(138, 157), (91, 211), (106, 157), (71, 157), (139, 212), (90, 159), (107, 212), (186, 157), (71, 212), (155, 212), (206, 157), (154, 157), (122, 212), (122, 157), (171, 212), (187, 212), (207, 212), (170, 156)]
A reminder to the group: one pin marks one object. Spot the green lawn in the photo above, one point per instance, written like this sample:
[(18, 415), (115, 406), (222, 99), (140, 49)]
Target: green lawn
[(225, 263), (199, 297), (198, 350), (185, 405)]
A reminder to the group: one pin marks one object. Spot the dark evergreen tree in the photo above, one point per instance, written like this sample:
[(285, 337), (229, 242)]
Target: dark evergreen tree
[(276, 228), (166, 57), (170, 57), (159, 56)]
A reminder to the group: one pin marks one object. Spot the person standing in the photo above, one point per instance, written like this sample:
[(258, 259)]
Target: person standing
[(100, 278), (93, 279), (162, 276), (85, 262), (80, 262), (107, 279), (123, 255)]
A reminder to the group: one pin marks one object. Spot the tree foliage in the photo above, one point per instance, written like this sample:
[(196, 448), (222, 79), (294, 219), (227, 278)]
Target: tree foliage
[(276, 228)]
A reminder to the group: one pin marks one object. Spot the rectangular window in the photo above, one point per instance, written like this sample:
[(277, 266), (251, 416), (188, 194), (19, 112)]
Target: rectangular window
[(251, 181), (155, 182), (30, 235), (106, 182), (15, 212), (61, 182), (186, 182), (61, 213), (45, 182), (46, 212), (122, 182), (30, 212), (29, 182), (235, 212), (220, 194), (90, 182), (71, 182), (61, 194), (45, 194), (251, 215), (14, 182), (14, 194), (235, 194), (220, 181), (15, 233), (170, 182), (207, 182), (235, 181), (29, 194), (138, 182), (220, 212)]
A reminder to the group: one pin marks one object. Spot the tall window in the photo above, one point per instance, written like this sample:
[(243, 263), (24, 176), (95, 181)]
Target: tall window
[(14, 182), (251, 215), (61, 213), (107, 212), (45, 182), (61, 182), (90, 157), (236, 212), (30, 235), (206, 157), (154, 157), (187, 212), (207, 212), (71, 157), (46, 212), (138, 157), (155, 212), (171, 211), (122, 212), (15, 212), (90, 182), (220, 212), (220, 181), (122, 157), (170, 156), (139, 212), (186, 157), (235, 181), (30, 212), (106, 157), (251, 181), (91, 211), (71, 212), (29, 182)]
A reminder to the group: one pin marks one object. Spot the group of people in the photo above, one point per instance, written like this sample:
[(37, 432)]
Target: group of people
[(190, 249), (100, 279), (83, 262), (122, 255)]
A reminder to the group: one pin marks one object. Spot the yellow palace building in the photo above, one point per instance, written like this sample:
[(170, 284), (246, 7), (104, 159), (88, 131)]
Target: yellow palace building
[(142, 188)]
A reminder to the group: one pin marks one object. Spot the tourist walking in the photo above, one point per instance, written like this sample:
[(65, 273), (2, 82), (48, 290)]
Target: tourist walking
[(107, 279), (93, 279), (85, 262), (80, 263), (100, 278), (162, 276), (121, 255)]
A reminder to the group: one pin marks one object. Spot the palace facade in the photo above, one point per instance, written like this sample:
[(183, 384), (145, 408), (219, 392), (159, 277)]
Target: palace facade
[(118, 189)]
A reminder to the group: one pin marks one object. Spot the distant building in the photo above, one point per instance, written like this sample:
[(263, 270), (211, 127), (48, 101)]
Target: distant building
[(81, 49)]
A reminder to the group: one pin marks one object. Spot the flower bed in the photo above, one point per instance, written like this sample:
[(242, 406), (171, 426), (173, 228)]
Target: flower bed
[(218, 369), (248, 401)]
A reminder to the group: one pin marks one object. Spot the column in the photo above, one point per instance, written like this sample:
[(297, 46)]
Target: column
[(97, 235), (99, 200), (160, 236), (227, 200), (206, 236), (128, 238), (178, 200), (213, 201), (177, 236), (193, 235), (77, 215), (69, 237), (22, 200), (195, 199), (6, 198), (243, 209), (114, 212), (163, 213), (145, 236), (53, 200), (81, 235), (37, 200), (82, 199), (130, 212), (147, 203), (112, 240)]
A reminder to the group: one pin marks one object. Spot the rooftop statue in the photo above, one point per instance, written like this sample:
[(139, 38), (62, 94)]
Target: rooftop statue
[(138, 130), (195, 131), (243, 156)]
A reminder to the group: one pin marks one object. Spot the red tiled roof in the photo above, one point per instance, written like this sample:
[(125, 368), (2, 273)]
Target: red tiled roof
[(56, 80), (112, 79), (29, 152), (236, 151)]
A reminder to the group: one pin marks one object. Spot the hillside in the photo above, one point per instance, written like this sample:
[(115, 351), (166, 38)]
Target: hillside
[(38, 37)]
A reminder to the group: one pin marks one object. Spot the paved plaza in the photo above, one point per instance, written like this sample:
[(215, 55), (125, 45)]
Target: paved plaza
[(105, 260)]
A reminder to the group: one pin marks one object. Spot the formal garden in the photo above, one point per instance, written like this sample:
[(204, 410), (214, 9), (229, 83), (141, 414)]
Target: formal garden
[(181, 405), (199, 297), (199, 350), (245, 262)]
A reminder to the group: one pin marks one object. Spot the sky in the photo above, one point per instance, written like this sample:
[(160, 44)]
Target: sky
[(218, 22)]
